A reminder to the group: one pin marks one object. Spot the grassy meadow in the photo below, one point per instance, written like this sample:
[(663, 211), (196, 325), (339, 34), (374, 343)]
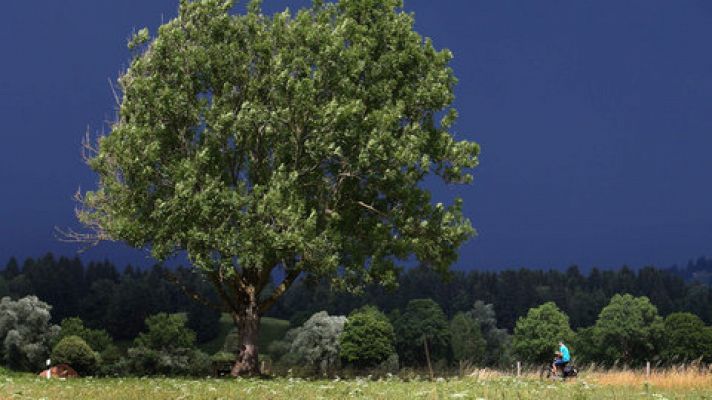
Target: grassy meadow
[(612, 385)]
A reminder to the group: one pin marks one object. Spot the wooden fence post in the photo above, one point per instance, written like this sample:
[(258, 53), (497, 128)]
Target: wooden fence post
[(519, 369), (647, 369)]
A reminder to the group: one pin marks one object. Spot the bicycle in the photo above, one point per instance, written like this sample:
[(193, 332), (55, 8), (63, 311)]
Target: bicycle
[(567, 372)]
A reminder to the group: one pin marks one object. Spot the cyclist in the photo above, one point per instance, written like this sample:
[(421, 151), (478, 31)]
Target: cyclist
[(563, 357)]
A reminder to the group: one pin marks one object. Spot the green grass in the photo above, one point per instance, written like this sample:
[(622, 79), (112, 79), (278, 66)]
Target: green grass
[(271, 329), (31, 387)]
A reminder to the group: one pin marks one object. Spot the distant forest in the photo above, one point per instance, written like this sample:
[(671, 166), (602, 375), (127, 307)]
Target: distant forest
[(119, 301)]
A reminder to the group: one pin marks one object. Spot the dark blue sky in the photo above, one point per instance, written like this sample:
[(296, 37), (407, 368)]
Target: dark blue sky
[(595, 121)]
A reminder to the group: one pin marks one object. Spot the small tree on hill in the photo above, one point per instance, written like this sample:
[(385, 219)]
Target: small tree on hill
[(293, 142), (537, 335), (368, 338)]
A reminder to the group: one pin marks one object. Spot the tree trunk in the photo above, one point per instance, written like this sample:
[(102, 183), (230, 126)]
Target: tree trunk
[(248, 325)]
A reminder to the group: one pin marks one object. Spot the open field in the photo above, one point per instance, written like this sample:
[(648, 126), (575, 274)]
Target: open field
[(25, 386)]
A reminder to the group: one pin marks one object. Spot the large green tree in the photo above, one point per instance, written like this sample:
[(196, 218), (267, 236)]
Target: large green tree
[(686, 338), (628, 330), (423, 323), (297, 142), (537, 336)]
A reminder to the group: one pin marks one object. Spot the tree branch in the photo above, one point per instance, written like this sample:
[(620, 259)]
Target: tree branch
[(279, 290), (217, 282), (172, 278), (371, 208)]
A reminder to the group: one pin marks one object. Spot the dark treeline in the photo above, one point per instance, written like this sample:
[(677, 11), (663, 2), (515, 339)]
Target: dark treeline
[(512, 292), (119, 302), (105, 298)]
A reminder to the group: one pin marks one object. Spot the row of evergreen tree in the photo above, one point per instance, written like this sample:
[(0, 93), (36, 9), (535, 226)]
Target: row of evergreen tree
[(105, 298), (119, 301), (511, 292)]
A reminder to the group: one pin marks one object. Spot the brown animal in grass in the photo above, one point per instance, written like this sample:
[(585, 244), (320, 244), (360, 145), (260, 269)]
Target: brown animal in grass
[(60, 371)]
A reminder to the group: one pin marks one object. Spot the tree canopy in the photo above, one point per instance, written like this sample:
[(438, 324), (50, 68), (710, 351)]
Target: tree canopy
[(26, 332), (536, 336), (628, 329), (686, 338), (422, 321), (368, 338), (297, 141)]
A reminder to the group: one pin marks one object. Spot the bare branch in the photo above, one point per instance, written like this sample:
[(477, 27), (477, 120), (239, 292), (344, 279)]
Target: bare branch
[(69, 235), (113, 91), (93, 237), (371, 208), (89, 149)]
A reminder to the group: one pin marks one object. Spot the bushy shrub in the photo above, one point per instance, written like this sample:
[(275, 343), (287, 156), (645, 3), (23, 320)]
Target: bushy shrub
[(97, 339), (165, 332), (423, 320), (166, 348), (25, 332), (315, 344), (368, 338), (74, 351)]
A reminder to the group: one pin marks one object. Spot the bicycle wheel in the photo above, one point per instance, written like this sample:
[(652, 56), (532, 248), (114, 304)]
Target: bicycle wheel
[(545, 373)]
